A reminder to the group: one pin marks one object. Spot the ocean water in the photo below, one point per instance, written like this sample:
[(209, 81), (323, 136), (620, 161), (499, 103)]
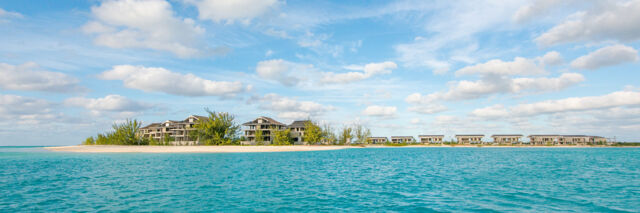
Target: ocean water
[(365, 180)]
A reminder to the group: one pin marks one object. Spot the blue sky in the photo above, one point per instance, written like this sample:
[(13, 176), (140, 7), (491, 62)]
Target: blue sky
[(71, 68)]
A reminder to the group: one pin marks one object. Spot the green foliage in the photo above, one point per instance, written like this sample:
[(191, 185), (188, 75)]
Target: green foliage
[(259, 137), (345, 135), (218, 129), (362, 134), (312, 133), (122, 134), (395, 144), (328, 135), (89, 141), (281, 137)]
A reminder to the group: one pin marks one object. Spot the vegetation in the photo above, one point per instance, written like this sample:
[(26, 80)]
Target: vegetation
[(627, 144), (282, 137), (218, 129), (362, 134), (328, 135), (345, 135), (259, 138), (312, 133), (122, 134)]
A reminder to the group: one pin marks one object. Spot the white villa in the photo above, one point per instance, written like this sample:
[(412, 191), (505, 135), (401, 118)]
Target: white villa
[(507, 139), (178, 131), (431, 139), (402, 139), (378, 140), (469, 139)]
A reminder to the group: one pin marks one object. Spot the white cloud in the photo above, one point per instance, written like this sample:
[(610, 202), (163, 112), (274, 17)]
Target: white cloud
[(288, 108), (606, 56), (551, 59), (149, 24), (519, 66), (495, 111), (617, 21), (535, 9), (30, 77), (8, 14), (25, 110), (620, 98), (230, 11), (380, 111), (370, 70), (286, 72), (488, 85), (157, 79), (415, 121), (428, 108), (110, 103)]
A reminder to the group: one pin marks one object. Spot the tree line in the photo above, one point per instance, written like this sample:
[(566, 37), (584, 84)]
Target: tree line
[(220, 128)]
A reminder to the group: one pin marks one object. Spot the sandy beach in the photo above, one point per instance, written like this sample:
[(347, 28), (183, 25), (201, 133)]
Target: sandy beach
[(239, 149), (190, 149)]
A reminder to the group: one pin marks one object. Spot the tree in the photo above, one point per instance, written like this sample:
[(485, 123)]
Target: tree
[(312, 132), (259, 137), (281, 137), (218, 129), (346, 135), (126, 133), (362, 134), (89, 141), (328, 134)]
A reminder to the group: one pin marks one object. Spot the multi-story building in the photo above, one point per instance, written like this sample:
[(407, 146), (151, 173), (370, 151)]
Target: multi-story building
[(430, 139), (378, 140), (175, 131), (469, 139), (507, 139), (548, 140), (264, 126), (297, 129), (402, 139)]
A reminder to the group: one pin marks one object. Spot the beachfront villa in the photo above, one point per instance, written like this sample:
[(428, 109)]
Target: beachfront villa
[(175, 131), (507, 139), (431, 139), (565, 140), (469, 139), (402, 139), (378, 140), (297, 131), (541, 140), (262, 128)]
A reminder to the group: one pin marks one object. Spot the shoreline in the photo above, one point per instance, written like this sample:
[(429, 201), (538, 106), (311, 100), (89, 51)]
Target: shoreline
[(250, 149)]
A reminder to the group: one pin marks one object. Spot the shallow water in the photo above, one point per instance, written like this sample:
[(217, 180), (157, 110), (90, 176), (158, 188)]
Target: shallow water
[(371, 179)]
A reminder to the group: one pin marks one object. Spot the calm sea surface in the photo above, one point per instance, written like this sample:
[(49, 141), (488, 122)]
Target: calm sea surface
[(372, 179)]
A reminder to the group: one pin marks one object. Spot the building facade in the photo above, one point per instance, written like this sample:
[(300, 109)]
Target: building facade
[(431, 139), (507, 139), (259, 131), (297, 129), (175, 131), (469, 139), (378, 140), (402, 139)]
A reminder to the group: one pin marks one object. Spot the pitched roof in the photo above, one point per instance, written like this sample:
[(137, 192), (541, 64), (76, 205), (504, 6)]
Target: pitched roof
[(298, 123), (151, 125), (269, 121)]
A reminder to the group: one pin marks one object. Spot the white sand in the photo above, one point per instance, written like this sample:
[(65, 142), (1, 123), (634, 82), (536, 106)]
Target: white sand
[(190, 149)]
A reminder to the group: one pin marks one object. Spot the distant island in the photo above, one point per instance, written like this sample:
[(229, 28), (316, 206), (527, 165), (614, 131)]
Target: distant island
[(220, 129)]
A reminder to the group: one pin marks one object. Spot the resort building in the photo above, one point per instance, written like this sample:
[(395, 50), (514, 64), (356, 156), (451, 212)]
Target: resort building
[(261, 127), (431, 139), (175, 131), (545, 140), (402, 139), (378, 140), (507, 139), (297, 131), (469, 139)]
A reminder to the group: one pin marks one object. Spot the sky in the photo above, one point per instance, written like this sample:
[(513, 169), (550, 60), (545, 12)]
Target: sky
[(70, 69)]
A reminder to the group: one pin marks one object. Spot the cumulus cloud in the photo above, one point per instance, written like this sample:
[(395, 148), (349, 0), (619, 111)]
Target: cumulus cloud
[(606, 56), (551, 59), (618, 21), (30, 77), (149, 24), (286, 72), (110, 103), (611, 100), (289, 108), (25, 110), (157, 79), (369, 70), (519, 66), (380, 111), (230, 11), (535, 9)]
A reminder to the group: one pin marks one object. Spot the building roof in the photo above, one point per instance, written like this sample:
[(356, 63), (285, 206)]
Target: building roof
[(519, 135), (269, 121), (575, 136), (298, 123), (430, 135), (401, 136), (541, 135), (151, 125), (378, 137), (469, 135)]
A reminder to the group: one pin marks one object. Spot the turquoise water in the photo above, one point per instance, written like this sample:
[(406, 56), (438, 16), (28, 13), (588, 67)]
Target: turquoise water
[(394, 179)]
